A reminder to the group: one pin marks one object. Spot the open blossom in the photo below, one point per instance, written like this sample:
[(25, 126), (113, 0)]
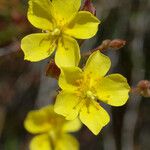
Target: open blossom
[(81, 90), (52, 130), (61, 22)]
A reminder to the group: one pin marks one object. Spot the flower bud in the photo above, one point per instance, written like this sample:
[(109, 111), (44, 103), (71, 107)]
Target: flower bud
[(88, 6), (117, 44), (52, 70), (111, 44), (108, 44), (143, 88)]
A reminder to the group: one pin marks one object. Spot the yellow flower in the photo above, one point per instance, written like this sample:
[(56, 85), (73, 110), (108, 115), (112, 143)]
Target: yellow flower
[(61, 22), (82, 89), (52, 129)]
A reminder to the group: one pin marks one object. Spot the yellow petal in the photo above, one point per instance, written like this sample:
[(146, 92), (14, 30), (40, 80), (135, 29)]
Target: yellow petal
[(66, 105), (40, 142), (68, 52), (113, 90), (67, 142), (94, 117), (65, 9), (38, 121), (39, 14), (72, 126), (97, 65), (83, 26), (69, 77), (37, 46)]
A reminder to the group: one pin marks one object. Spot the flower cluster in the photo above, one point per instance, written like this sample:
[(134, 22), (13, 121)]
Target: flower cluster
[(82, 90)]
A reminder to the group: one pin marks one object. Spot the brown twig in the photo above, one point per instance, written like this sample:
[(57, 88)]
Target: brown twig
[(107, 44)]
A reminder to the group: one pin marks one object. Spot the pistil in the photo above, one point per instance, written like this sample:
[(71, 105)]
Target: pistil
[(56, 32), (90, 95)]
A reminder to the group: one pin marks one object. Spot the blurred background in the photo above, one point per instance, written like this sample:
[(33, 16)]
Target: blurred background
[(24, 86)]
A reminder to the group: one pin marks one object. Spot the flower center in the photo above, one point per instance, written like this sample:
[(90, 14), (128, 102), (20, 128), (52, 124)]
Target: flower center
[(90, 95), (56, 124), (56, 31)]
